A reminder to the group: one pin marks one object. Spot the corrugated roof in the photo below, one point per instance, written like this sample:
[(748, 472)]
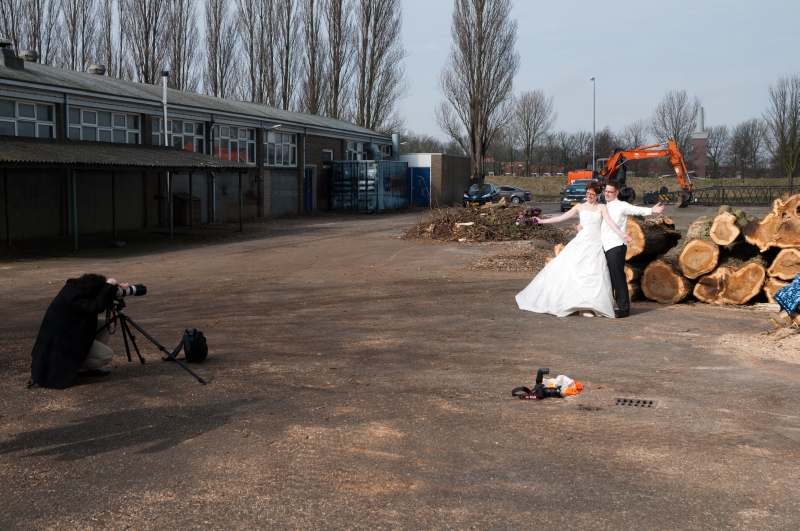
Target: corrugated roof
[(18, 151), (69, 79)]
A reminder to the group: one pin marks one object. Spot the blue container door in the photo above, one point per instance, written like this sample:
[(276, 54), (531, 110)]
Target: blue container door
[(420, 187), (308, 188)]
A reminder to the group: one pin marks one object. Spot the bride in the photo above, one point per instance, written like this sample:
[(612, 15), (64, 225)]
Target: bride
[(577, 280)]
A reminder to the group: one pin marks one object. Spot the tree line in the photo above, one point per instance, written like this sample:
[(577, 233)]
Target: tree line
[(336, 58), (481, 115)]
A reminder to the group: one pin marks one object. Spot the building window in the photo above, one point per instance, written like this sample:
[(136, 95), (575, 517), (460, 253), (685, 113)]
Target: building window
[(103, 126), (181, 134), (327, 158), (355, 151), (281, 149), (20, 118), (235, 143), (386, 152)]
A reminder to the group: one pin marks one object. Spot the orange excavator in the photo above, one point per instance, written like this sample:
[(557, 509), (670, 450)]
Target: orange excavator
[(613, 168)]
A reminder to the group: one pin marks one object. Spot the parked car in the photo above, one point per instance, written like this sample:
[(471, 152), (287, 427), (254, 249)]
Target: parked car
[(514, 194), (575, 193), (480, 194)]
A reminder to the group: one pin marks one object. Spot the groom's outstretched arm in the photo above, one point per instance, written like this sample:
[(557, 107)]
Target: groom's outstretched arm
[(630, 210)]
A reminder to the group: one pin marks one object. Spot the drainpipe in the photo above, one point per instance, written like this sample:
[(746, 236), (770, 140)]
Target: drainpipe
[(164, 77), (303, 173)]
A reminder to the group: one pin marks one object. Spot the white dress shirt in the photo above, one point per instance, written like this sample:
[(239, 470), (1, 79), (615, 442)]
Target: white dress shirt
[(619, 211)]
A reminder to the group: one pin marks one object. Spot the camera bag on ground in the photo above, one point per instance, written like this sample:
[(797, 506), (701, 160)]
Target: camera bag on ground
[(195, 346)]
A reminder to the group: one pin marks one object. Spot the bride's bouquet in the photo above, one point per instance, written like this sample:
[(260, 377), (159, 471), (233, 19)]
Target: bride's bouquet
[(528, 215)]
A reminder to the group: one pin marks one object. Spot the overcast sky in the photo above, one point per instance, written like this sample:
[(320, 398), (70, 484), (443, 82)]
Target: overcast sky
[(727, 52)]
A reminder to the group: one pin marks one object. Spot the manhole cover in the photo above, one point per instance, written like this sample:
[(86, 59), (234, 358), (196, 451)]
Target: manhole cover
[(635, 402)]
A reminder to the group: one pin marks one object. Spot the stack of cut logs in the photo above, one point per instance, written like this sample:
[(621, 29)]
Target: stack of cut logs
[(729, 258)]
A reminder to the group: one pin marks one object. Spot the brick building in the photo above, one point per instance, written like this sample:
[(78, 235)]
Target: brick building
[(281, 158)]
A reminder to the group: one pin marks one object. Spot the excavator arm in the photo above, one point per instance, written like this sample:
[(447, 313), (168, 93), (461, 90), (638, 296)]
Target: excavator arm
[(612, 166)]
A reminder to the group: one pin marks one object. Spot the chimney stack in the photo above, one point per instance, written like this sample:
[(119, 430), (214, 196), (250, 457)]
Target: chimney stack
[(96, 69), (29, 55), (10, 58), (699, 145)]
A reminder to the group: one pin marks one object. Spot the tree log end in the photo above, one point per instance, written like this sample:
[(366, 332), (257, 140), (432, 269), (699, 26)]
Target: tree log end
[(662, 283), (698, 258)]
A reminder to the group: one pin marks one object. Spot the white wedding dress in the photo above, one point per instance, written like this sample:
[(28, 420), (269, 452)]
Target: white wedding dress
[(575, 280)]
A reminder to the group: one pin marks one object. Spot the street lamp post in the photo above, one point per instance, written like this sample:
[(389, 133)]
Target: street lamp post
[(594, 114)]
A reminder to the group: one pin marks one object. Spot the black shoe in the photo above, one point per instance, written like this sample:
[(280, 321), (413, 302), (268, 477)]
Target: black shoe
[(95, 372), (621, 315)]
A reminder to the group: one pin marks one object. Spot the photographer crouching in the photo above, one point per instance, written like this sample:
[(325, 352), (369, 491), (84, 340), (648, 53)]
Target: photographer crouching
[(70, 339)]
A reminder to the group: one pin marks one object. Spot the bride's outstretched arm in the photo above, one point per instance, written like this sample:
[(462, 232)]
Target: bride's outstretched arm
[(563, 217), (610, 222)]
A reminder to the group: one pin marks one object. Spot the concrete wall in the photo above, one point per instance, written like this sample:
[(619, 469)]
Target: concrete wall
[(450, 175)]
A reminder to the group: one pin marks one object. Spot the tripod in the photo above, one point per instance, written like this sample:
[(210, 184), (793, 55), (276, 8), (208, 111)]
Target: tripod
[(125, 320)]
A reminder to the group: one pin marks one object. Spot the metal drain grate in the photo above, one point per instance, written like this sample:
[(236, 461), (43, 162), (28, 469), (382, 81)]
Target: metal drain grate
[(635, 402)]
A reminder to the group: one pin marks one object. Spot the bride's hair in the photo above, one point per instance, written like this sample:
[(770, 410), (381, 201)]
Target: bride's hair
[(594, 187)]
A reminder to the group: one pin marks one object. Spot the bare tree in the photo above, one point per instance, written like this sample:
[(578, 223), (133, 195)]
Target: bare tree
[(747, 148), (380, 77), (10, 15), (314, 84), (606, 142), (674, 119), (422, 143), (477, 80), (221, 42), (718, 147), (251, 24), (111, 42), (182, 41), (288, 47), (78, 38), (533, 118), (504, 151), (146, 35), (783, 124), (40, 27), (635, 135), (338, 27)]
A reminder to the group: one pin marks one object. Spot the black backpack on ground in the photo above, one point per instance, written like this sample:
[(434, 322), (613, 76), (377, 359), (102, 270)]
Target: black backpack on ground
[(195, 346)]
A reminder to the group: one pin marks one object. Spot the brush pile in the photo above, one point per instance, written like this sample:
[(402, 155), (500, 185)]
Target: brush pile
[(491, 223)]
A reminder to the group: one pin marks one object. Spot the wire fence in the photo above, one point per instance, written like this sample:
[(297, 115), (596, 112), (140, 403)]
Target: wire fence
[(740, 195)]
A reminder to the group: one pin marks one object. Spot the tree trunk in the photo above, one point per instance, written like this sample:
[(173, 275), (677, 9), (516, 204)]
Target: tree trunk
[(786, 265), (698, 258), (662, 282), (724, 230), (699, 229), (633, 273), (780, 228), (634, 291), (771, 288), (651, 236), (710, 287), (731, 286)]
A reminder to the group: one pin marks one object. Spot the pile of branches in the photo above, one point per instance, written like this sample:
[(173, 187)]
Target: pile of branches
[(492, 223)]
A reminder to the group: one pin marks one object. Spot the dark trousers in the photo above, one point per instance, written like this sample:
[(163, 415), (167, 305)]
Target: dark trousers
[(616, 267)]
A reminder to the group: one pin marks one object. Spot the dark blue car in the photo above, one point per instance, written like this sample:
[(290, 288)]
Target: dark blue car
[(480, 194)]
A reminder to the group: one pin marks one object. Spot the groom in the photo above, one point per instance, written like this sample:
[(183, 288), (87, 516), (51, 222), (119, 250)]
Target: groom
[(615, 247)]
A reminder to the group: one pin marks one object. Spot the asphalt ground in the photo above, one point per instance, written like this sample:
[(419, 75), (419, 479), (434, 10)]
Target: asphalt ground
[(360, 381)]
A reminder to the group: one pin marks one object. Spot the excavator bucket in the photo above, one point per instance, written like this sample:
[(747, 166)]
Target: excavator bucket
[(684, 198)]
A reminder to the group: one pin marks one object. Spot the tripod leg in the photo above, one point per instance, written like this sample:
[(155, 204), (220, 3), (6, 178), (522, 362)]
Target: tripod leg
[(161, 348), (125, 329), (125, 339)]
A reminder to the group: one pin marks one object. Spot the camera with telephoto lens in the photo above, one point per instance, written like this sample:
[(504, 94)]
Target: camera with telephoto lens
[(541, 390), (137, 290)]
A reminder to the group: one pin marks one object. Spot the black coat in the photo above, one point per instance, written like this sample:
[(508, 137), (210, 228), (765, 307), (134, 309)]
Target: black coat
[(66, 335)]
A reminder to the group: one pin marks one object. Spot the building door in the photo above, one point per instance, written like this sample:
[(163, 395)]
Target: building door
[(308, 190), (420, 187)]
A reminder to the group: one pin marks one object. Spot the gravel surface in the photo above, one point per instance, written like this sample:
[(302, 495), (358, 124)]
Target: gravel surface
[(358, 380)]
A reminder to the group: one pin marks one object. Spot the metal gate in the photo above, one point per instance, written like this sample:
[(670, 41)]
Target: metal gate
[(369, 185)]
